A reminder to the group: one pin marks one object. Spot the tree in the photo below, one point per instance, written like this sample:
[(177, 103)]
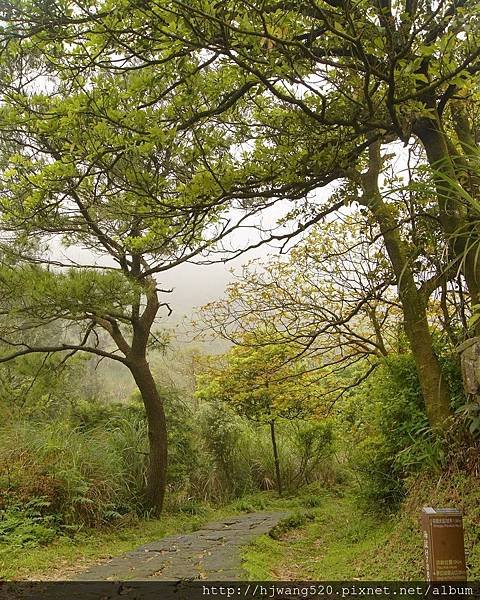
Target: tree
[(332, 301), (259, 102), (119, 164), (341, 299), (112, 142), (341, 79), (413, 297), (262, 383), (356, 74)]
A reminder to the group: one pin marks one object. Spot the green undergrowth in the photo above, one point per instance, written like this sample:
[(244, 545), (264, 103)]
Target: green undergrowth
[(326, 545), (68, 554), (399, 556), (344, 543), (324, 536)]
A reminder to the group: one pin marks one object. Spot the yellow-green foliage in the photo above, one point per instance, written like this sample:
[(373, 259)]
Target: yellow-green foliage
[(263, 382)]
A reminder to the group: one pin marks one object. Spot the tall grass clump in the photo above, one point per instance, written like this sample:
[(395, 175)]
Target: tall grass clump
[(86, 467), (235, 456), (62, 477)]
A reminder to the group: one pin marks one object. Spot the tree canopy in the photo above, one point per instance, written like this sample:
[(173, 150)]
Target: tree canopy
[(145, 134)]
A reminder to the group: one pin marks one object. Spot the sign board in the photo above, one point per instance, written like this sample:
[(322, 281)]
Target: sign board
[(443, 544)]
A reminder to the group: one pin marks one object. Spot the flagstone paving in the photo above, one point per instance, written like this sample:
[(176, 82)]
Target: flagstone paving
[(211, 553)]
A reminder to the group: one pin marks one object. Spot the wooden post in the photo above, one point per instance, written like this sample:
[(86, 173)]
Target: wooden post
[(443, 544)]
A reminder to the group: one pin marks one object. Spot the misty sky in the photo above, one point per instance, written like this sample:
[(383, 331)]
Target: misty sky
[(193, 285)]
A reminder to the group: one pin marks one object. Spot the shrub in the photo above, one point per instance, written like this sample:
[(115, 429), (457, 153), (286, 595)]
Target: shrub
[(183, 443), (83, 477), (26, 525), (314, 445), (294, 521), (91, 413), (228, 440), (391, 435)]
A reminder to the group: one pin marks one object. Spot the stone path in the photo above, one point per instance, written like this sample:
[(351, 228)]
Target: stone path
[(211, 553)]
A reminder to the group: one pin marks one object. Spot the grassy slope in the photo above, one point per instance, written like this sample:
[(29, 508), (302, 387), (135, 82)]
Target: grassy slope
[(399, 556), (343, 544), (332, 547)]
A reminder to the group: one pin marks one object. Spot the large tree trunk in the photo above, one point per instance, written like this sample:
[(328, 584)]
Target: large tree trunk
[(454, 215), (276, 457), (157, 435), (432, 382), (434, 387)]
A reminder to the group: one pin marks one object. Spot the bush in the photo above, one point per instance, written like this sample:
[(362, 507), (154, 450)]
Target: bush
[(294, 521), (227, 441), (86, 467), (183, 443), (314, 445), (391, 435), (240, 458), (26, 526), (379, 484), (88, 414), (83, 477)]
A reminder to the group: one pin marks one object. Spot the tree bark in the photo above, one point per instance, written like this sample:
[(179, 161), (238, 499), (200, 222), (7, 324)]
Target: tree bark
[(452, 211), (432, 382), (157, 435), (276, 457), (434, 387)]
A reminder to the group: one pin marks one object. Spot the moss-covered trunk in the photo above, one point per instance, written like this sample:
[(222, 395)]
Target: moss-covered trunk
[(434, 387), (455, 216)]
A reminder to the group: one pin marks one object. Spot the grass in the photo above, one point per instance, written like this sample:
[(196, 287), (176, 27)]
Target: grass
[(331, 546), (342, 543), (65, 556), (68, 555), (324, 538)]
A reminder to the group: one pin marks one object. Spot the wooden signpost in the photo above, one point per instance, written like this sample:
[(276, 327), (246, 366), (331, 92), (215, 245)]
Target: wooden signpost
[(443, 544)]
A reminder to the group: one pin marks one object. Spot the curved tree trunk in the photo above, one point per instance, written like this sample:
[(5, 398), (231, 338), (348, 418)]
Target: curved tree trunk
[(432, 382), (434, 387), (157, 435)]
